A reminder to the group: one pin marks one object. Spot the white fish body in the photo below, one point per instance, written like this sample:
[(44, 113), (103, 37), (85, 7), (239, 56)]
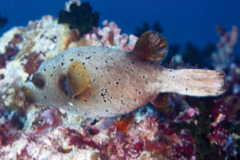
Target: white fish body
[(119, 81)]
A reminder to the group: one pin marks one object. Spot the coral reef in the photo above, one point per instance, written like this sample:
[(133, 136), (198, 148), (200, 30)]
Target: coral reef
[(213, 56), (199, 128), (225, 48)]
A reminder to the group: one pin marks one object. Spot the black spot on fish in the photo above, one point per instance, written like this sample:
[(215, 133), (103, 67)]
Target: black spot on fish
[(102, 94), (71, 59), (135, 99), (88, 57), (106, 61), (83, 63), (107, 70), (188, 79), (186, 89), (94, 52), (101, 75), (109, 82), (59, 97), (104, 100), (44, 69), (132, 62), (172, 76), (85, 100), (51, 75), (117, 82), (139, 92), (125, 71), (170, 70), (93, 80), (96, 68), (68, 109), (143, 76), (45, 97), (113, 63), (78, 54), (131, 70), (62, 63), (54, 67)]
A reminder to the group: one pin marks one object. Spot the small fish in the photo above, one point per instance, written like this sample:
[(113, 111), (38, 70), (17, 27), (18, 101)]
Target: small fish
[(102, 82)]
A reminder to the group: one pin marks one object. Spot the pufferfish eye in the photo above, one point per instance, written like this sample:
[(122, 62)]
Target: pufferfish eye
[(38, 80)]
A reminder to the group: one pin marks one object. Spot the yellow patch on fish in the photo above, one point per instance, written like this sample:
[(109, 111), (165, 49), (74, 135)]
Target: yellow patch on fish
[(77, 80)]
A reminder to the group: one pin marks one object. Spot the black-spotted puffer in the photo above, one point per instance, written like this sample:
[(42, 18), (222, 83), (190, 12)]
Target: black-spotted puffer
[(102, 82)]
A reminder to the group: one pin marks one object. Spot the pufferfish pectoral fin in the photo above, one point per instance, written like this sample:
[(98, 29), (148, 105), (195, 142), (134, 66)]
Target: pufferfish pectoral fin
[(77, 79), (151, 46), (162, 104)]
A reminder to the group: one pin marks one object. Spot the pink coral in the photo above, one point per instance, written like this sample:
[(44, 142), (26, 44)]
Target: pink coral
[(219, 136), (50, 119), (225, 48), (110, 35)]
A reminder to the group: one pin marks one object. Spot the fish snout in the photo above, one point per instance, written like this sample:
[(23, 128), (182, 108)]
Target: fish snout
[(28, 95)]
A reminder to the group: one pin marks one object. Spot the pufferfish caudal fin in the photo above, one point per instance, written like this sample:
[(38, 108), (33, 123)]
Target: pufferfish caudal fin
[(194, 82), (77, 79), (151, 46)]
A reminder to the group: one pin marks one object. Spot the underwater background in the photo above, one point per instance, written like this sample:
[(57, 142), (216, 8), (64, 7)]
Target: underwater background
[(201, 34), (182, 21)]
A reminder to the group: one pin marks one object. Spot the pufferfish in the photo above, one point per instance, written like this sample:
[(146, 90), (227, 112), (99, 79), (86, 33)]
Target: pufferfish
[(97, 82)]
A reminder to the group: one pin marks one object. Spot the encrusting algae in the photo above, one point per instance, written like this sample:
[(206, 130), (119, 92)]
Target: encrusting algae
[(103, 82)]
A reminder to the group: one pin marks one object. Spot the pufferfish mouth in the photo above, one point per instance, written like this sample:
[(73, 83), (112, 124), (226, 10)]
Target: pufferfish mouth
[(28, 95)]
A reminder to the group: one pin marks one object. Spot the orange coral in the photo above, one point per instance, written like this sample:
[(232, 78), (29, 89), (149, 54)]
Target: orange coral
[(122, 125)]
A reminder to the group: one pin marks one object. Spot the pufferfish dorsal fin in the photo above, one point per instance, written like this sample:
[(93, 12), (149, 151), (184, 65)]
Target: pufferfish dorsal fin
[(77, 79), (151, 46)]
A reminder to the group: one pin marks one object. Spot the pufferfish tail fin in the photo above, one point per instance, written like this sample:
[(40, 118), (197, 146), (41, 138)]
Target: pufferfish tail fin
[(151, 46), (193, 82)]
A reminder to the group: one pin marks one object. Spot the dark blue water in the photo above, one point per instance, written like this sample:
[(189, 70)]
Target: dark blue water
[(182, 20)]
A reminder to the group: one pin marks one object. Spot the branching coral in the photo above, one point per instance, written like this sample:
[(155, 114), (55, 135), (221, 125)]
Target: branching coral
[(225, 48), (211, 139), (79, 17)]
